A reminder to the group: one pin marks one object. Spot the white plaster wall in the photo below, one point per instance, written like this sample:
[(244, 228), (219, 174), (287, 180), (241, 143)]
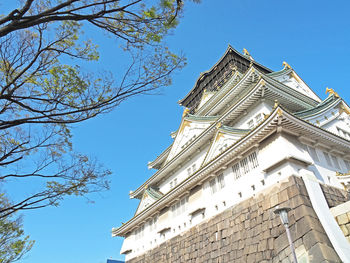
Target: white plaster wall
[(181, 174), (262, 107), (296, 84), (342, 122)]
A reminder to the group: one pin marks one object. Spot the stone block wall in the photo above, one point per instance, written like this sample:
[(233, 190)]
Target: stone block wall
[(251, 232), (334, 196), (341, 214)]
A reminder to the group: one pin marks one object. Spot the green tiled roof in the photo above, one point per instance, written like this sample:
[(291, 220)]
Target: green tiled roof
[(284, 70), (155, 194), (201, 118), (328, 102), (235, 130)]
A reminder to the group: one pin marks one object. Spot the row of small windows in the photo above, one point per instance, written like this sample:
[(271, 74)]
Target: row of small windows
[(255, 121), (245, 165), (191, 169), (216, 184), (343, 133), (151, 224), (331, 160), (173, 183), (188, 142)]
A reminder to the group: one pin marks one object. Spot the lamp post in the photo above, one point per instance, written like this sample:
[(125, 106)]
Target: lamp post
[(283, 213)]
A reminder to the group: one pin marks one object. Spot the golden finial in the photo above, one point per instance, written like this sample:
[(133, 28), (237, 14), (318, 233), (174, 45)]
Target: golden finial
[(331, 91), (262, 82), (286, 65), (186, 111), (245, 52), (218, 125), (276, 104)]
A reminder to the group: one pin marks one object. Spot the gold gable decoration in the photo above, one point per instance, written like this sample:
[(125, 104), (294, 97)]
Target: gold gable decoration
[(331, 91), (286, 65)]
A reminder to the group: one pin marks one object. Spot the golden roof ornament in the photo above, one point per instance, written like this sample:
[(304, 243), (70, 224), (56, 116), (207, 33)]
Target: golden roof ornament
[(218, 125), (276, 104), (331, 91), (286, 65), (186, 111), (245, 52)]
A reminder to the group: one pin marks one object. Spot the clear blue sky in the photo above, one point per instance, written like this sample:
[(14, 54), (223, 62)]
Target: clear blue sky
[(312, 36)]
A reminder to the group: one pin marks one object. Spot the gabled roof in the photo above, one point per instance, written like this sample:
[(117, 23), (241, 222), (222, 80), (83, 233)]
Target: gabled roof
[(229, 134), (149, 193), (322, 106), (290, 71)]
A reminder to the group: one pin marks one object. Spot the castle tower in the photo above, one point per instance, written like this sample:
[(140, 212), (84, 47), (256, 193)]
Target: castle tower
[(250, 140)]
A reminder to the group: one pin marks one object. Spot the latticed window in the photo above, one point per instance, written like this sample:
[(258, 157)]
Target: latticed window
[(221, 181), (253, 160), (244, 166), (236, 171), (217, 183), (213, 186)]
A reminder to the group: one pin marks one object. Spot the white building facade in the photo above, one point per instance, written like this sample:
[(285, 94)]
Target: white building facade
[(244, 129)]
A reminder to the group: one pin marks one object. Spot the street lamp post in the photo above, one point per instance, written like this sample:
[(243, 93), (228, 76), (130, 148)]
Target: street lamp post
[(283, 213)]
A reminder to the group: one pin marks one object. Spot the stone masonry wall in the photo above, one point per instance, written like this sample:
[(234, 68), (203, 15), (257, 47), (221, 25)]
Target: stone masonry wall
[(251, 232)]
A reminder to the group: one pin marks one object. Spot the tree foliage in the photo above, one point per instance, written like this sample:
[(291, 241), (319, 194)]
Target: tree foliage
[(43, 92), (13, 243)]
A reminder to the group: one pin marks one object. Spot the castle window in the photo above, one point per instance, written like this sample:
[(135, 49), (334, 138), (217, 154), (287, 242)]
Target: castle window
[(313, 153), (179, 207), (217, 183), (258, 118), (173, 183), (253, 160), (139, 233), (251, 124), (236, 171), (347, 164), (244, 166), (194, 168), (152, 223), (335, 161), (221, 181), (328, 160)]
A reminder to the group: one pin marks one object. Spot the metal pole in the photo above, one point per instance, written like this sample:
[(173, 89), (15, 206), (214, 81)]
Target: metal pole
[(291, 243)]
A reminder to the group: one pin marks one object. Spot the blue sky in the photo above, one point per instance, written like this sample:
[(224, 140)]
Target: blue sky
[(312, 36)]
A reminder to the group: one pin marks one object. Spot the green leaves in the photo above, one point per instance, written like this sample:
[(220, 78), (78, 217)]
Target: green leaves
[(13, 243)]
